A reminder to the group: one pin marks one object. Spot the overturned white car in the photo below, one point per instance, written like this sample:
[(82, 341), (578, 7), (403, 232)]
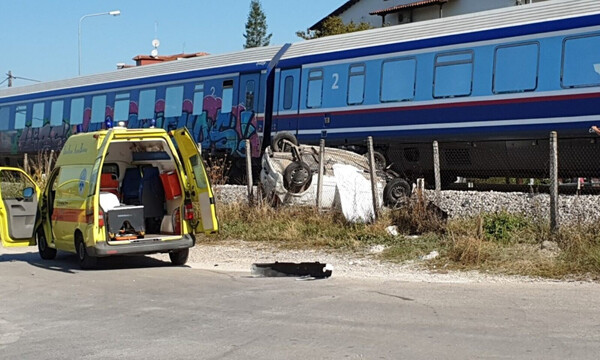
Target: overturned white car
[(291, 177)]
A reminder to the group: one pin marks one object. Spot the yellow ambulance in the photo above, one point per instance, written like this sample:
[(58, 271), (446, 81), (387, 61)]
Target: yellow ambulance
[(112, 192)]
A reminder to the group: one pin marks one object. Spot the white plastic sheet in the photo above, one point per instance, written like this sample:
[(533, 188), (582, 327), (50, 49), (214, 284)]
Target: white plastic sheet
[(356, 198)]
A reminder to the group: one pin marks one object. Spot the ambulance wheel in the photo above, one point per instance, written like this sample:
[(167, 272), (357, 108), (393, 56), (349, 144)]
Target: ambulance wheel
[(46, 253), (279, 145), (86, 261), (179, 257)]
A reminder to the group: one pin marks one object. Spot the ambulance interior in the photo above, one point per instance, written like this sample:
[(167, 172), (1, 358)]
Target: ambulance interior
[(140, 187)]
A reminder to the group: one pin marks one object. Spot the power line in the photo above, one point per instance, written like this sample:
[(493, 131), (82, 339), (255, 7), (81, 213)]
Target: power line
[(10, 77)]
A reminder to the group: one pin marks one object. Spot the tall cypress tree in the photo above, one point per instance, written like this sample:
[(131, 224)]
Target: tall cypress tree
[(256, 27)]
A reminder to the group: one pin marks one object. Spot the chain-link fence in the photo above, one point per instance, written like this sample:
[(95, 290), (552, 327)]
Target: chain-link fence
[(518, 165)]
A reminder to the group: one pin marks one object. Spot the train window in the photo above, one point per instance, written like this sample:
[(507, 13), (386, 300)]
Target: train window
[(76, 117), (356, 85), (4, 117), (315, 89), (453, 75), (288, 92), (20, 116), (146, 105), (398, 78), (37, 117), (581, 62), (98, 108), (56, 113), (121, 107), (174, 101), (250, 95), (516, 68), (198, 99), (227, 103)]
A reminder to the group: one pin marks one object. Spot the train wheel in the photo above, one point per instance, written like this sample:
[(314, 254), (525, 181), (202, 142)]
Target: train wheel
[(279, 141), (396, 192)]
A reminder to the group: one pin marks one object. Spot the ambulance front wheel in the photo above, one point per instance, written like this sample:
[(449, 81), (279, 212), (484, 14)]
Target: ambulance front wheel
[(46, 253)]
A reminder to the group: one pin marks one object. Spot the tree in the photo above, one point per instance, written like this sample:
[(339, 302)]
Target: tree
[(333, 25), (256, 27)]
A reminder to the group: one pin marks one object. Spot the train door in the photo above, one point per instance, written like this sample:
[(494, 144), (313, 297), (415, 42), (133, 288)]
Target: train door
[(288, 102), (248, 109)]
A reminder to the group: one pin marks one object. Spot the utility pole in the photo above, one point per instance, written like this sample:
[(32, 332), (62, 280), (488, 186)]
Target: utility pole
[(10, 77)]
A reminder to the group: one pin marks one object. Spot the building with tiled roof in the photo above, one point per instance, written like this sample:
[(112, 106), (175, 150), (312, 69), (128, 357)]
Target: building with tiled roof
[(393, 12)]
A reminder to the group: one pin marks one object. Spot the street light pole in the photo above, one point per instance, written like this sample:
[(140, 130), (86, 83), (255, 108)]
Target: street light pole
[(112, 13)]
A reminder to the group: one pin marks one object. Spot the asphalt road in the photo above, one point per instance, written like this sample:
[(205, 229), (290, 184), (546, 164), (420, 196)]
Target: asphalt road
[(143, 308)]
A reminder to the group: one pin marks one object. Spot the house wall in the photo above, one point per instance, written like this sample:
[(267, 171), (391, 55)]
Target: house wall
[(360, 11)]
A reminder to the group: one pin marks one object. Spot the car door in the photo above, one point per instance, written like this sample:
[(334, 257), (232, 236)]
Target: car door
[(198, 185), (18, 207)]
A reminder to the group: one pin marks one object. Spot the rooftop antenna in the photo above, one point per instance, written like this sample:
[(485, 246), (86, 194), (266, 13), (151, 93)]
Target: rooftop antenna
[(10, 77), (155, 42)]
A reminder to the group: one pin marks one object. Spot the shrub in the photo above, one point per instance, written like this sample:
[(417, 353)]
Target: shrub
[(502, 226), (217, 169), (419, 216)]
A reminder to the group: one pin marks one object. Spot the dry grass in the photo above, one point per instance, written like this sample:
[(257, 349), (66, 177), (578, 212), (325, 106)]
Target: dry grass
[(217, 169), (40, 167), (297, 227)]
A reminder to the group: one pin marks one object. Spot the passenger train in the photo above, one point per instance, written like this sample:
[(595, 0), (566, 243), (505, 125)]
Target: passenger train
[(489, 87)]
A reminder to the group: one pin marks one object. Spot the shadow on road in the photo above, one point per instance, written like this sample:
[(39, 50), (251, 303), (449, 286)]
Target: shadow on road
[(68, 263)]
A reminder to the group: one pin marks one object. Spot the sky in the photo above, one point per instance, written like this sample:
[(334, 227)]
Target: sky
[(40, 37)]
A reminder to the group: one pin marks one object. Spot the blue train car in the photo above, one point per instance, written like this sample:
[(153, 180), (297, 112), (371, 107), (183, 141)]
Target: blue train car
[(490, 86)]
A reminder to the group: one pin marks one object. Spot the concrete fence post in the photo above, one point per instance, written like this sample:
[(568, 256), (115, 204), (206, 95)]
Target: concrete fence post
[(436, 169), (372, 166), (25, 163), (321, 173), (554, 225), (249, 173), (49, 164)]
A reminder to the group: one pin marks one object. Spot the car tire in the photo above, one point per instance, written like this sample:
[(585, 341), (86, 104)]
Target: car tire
[(179, 257), (297, 176), (279, 144), (396, 192), (380, 160), (86, 261), (46, 253)]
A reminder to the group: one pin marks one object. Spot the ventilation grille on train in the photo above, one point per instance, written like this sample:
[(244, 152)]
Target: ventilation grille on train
[(457, 157)]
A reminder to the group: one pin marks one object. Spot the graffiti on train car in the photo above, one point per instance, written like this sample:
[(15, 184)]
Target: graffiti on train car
[(215, 130)]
